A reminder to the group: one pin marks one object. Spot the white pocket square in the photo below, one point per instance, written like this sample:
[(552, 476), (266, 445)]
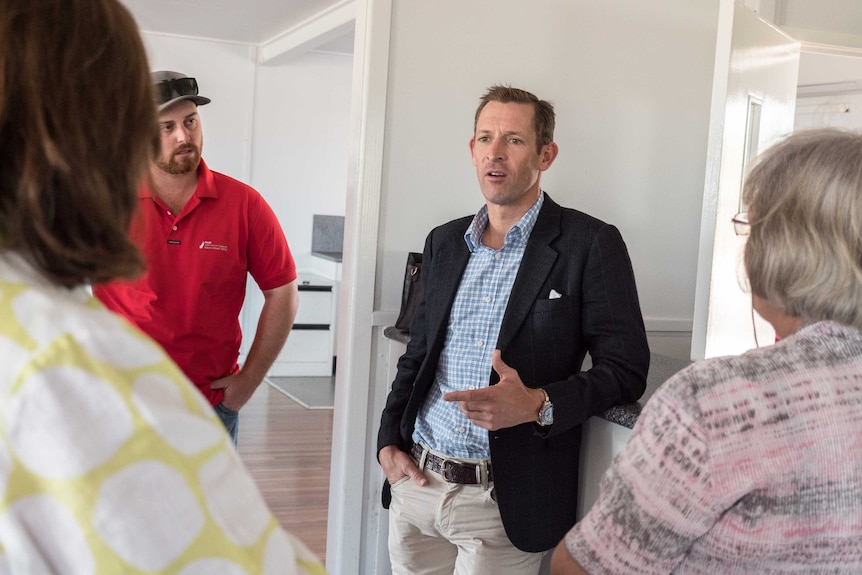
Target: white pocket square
[(555, 294)]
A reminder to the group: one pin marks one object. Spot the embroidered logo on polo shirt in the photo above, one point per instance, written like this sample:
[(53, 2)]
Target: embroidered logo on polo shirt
[(205, 245)]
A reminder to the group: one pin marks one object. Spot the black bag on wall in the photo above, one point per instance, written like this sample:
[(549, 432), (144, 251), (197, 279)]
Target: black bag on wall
[(412, 291)]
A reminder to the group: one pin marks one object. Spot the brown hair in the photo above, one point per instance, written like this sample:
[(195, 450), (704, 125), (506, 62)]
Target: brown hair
[(543, 112), (77, 127), (804, 252)]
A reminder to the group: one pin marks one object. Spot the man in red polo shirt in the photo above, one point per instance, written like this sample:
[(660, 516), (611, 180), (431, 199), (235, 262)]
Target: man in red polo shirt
[(201, 233)]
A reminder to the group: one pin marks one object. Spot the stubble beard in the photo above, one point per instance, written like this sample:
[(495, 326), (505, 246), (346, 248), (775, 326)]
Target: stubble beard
[(173, 165)]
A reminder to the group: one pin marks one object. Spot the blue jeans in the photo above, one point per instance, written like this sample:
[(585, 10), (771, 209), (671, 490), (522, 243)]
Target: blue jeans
[(230, 419)]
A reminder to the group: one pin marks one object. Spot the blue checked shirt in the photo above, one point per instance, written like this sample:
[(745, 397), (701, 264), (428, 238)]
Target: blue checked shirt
[(474, 324)]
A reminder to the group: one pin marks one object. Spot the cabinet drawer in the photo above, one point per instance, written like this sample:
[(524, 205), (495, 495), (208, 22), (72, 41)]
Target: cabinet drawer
[(315, 307), (307, 345)]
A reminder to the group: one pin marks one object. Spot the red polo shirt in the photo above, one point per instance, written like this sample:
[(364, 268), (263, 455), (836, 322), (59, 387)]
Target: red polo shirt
[(197, 264)]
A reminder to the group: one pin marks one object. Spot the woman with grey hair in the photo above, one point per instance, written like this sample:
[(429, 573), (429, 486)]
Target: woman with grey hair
[(753, 463)]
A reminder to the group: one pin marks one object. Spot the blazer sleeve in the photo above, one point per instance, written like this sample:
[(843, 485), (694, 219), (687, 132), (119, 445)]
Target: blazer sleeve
[(409, 365), (614, 335)]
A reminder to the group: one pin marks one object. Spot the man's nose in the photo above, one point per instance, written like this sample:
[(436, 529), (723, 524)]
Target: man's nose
[(181, 134), (496, 151)]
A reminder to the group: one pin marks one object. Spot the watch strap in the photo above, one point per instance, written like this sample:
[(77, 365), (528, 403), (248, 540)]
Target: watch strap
[(539, 418)]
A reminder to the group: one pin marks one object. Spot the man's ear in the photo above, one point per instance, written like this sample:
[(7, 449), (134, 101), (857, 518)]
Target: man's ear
[(548, 155)]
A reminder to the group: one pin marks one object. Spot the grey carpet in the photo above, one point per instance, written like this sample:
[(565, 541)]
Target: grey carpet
[(309, 392)]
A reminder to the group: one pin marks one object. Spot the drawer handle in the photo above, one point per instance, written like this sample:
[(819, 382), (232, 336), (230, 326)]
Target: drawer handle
[(315, 326)]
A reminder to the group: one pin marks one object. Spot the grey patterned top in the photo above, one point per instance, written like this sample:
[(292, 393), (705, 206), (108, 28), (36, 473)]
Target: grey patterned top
[(740, 464)]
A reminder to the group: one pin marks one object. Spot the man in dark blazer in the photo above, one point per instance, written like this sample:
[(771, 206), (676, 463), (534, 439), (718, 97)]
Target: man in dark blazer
[(480, 436)]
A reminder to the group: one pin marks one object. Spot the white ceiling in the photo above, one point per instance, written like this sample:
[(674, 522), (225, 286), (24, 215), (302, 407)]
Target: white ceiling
[(246, 21), (258, 22), (837, 22)]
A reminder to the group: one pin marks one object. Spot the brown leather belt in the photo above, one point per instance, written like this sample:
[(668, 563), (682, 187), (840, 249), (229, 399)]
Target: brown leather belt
[(453, 470)]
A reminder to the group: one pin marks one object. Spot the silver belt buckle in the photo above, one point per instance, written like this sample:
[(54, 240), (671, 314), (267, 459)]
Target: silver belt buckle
[(482, 474), (445, 466)]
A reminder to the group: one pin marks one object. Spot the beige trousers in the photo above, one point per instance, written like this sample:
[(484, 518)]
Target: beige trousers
[(447, 528)]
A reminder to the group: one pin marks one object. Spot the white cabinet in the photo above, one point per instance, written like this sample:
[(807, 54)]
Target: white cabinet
[(309, 347)]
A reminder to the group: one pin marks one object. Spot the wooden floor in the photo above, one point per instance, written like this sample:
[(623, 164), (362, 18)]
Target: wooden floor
[(286, 449)]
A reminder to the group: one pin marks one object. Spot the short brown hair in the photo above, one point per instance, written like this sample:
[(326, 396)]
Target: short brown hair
[(543, 112), (804, 252), (77, 127)]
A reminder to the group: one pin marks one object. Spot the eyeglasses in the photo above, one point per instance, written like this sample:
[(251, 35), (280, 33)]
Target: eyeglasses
[(169, 89), (740, 224)]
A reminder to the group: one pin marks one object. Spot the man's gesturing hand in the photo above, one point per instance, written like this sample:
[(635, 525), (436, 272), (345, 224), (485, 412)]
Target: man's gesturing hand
[(506, 404)]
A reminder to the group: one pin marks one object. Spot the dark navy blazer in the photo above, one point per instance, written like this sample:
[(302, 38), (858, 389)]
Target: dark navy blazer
[(545, 340)]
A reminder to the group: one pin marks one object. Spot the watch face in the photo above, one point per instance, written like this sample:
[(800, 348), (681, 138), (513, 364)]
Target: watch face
[(548, 415)]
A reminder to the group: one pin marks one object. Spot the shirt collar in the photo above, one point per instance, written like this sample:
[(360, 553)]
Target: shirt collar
[(206, 184), (520, 231)]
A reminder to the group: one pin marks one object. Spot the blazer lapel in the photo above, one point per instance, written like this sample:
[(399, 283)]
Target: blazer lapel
[(539, 258), (452, 258)]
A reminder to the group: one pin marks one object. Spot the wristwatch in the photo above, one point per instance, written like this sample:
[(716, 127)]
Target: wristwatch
[(546, 412)]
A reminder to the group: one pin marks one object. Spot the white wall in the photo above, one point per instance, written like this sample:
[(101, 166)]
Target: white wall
[(631, 82), (301, 123), (837, 110), (826, 72), (830, 67)]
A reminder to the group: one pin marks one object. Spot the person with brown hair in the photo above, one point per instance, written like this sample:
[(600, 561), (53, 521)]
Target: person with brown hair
[(110, 460), (481, 433), (751, 463), (202, 233)]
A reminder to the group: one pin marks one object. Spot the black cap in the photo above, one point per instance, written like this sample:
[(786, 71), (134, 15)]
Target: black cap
[(175, 94)]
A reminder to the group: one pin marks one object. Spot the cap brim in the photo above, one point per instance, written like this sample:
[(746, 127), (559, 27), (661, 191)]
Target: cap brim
[(199, 100)]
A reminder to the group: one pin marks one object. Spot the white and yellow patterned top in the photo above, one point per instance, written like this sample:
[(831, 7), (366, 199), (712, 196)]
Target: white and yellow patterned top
[(110, 461)]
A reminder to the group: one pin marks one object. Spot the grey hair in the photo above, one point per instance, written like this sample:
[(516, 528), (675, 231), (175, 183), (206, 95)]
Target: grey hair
[(804, 252)]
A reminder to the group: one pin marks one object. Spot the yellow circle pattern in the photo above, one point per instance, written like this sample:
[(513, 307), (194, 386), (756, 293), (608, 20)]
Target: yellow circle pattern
[(110, 461)]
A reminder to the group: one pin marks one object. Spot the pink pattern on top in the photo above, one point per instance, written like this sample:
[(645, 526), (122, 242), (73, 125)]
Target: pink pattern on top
[(744, 464)]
